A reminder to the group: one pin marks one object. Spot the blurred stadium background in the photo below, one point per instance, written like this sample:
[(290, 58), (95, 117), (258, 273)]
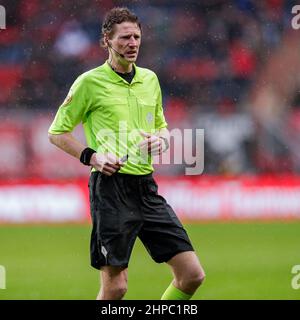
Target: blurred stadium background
[(230, 67)]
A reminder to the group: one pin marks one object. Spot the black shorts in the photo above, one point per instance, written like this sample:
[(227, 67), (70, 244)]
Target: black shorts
[(124, 207)]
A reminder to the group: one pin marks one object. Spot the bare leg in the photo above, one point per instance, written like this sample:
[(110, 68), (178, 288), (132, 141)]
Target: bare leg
[(113, 283), (187, 270)]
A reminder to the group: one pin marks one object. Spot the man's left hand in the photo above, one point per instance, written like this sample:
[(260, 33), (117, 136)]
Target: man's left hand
[(151, 144)]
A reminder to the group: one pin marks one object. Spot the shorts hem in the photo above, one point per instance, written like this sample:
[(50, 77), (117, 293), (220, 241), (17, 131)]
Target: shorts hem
[(168, 257), (99, 266)]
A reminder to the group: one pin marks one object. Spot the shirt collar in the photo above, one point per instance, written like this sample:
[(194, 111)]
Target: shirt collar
[(114, 77)]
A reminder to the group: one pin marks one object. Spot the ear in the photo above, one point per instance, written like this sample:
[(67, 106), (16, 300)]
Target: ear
[(106, 40)]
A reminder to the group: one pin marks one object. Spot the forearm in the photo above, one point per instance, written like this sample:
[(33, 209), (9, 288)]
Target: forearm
[(68, 143)]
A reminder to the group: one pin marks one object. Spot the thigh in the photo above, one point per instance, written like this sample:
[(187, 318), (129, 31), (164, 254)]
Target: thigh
[(113, 276), (186, 263), (115, 222), (162, 233)]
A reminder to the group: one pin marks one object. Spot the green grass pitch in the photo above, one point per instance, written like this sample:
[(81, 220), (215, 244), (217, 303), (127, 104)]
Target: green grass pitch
[(241, 260)]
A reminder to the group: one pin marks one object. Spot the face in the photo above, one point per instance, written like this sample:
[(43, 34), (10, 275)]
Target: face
[(126, 40)]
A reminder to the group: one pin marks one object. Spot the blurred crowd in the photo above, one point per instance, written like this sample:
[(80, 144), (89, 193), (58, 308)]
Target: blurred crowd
[(208, 56)]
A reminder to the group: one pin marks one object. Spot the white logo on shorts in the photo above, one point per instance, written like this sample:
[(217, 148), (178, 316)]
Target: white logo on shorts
[(104, 251)]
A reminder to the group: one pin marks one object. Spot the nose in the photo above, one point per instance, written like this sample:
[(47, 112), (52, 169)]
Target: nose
[(133, 42)]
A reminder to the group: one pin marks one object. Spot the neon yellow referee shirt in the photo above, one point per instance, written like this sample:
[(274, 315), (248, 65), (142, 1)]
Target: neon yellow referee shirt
[(113, 112)]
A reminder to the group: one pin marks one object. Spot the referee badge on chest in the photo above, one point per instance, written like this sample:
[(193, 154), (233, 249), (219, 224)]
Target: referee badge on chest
[(149, 117)]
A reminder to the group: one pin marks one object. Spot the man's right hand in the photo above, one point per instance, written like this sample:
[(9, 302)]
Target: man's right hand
[(107, 163)]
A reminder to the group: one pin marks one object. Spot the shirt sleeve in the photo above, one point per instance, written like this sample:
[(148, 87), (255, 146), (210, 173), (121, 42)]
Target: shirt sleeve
[(160, 121), (72, 110)]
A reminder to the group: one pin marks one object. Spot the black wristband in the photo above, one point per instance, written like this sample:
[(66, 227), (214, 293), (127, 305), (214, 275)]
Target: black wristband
[(86, 155)]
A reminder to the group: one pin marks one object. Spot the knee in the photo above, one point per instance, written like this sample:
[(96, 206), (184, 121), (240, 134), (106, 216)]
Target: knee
[(113, 292), (200, 278), (118, 292), (196, 279), (193, 280)]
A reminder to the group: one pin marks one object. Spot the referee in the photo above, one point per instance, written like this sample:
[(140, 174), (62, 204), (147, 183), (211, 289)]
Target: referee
[(115, 100)]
